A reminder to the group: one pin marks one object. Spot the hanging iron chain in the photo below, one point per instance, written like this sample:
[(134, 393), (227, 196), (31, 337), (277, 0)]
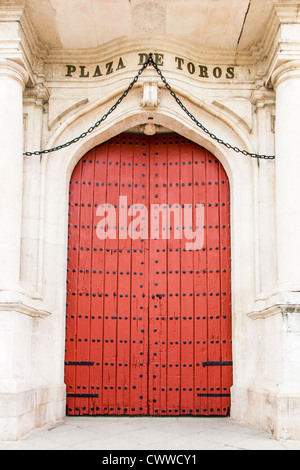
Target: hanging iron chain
[(193, 118), (97, 124), (151, 62)]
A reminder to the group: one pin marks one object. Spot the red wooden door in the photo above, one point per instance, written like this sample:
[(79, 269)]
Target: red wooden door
[(148, 328)]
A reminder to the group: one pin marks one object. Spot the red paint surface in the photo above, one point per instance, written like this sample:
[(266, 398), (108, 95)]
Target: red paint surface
[(146, 314)]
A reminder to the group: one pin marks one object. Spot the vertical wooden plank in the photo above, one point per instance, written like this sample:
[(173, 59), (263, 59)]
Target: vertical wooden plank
[(124, 282), (97, 279), (200, 287), (162, 318), (84, 281), (153, 372), (72, 288), (111, 284), (174, 278), (139, 234), (88, 223), (213, 267), (137, 327), (225, 268), (158, 280), (187, 285)]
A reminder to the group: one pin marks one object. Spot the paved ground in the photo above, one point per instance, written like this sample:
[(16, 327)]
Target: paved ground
[(108, 433)]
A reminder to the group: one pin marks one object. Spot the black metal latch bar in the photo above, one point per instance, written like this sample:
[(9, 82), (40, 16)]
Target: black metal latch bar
[(79, 363), (217, 363), (214, 395), (82, 395)]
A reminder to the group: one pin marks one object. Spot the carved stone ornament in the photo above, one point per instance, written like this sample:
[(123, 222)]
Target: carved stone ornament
[(149, 16), (149, 129), (150, 95)]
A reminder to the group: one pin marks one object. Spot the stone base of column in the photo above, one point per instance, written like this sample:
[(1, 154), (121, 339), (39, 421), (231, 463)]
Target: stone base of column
[(278, 415), (27, 408)]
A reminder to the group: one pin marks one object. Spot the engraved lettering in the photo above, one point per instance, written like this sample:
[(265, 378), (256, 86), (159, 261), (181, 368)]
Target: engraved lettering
[(82, 72), (179, 62), (143, 58), (121, 64), (203, 71), (230, 72), (191, 68), (109, 68), (217, 72), (182, 64), (98, 72), (159, 59), (70, 70)]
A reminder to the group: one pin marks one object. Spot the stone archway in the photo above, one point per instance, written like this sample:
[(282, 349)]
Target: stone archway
[(58, 169)]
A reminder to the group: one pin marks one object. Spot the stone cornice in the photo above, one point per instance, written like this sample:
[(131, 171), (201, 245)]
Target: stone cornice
[(288, 12), (123, 45), (260, 56), (32, 54), (281, 44), (21, 44)]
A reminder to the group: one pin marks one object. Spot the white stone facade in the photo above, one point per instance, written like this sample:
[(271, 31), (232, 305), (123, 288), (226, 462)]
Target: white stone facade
[(51, 92)]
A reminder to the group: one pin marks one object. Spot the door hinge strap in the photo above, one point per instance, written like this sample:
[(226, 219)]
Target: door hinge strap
[(82, 395), (79, 363), (217, 363), (214, 395)]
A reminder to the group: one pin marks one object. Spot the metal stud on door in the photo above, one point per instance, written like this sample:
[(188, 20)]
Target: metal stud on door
[(148, 287)]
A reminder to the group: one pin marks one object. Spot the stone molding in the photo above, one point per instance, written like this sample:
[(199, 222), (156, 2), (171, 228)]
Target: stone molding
[(20, 307), (275, 413), (277, 303), (285, 71), (274, 310), (22, 45), (39, 94), (288, 11), (34, 55), (9, 68), (262, 97), (16, 301)]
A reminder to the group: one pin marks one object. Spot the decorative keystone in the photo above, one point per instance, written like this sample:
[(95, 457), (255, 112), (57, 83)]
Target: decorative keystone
[(150, 97)]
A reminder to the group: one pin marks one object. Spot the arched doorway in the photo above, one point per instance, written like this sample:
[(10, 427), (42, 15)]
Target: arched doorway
[(149, 280)]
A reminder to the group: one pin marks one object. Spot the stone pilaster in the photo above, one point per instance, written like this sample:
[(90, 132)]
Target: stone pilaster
[(286, 79), (13, 78)]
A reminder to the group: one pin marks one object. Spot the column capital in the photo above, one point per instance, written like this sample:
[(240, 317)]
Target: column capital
[(282, 47), (285, 71), (10, 68)]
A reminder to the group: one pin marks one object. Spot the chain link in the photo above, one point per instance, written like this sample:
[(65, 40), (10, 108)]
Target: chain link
[(193, 118), (151, 62), (97, 124)]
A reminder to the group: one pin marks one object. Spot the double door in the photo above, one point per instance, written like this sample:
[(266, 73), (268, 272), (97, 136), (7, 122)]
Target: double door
[(148, 327)]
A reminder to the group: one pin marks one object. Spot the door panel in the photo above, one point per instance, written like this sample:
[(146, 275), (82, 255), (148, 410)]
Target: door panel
[(148, 327)]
